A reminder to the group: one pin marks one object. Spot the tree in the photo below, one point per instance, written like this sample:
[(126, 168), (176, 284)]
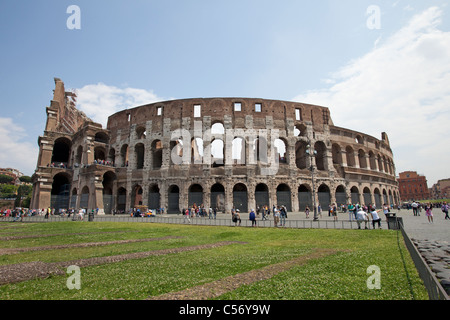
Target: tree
[(5, 178), (26, 179)]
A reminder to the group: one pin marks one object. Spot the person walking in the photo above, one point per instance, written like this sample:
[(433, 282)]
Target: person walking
[(276, 215), (307, 211), (429, 213), (252, 218), (444, 209), (187, 216), (283, 216)]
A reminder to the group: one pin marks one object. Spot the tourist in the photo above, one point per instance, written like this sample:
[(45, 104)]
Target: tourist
[(444, 209), (415, 207), (307, 212), (350, 209), (276, 215), (236, 218), (361, 216), (375, 217), (252, 218), (334, 211), (283, 216), (429, 212), (186, 216)]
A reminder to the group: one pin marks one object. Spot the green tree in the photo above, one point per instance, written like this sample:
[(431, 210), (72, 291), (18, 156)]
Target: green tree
[(5, 178)]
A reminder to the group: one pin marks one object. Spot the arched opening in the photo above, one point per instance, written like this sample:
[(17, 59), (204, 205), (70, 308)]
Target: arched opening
[(262, 195), (350, 156), (336, 154), (281, 150), (284, 196), (101, 137), (139, 151), (99, 154), (377, 197), (367, 196), (108, 183), (240, 197), (341, 196), (238, 151), (154, 197), (321, 149), (217, 153), (362, 159), (124, 155), (218, 197), (84, 200), (136, 196), (61, 151), (141, 133), (324, 196), (354, 193), (195, 195), (121, 199), (60, 191), (157, 152), (304, 198), (173, 198), (112, 156), (197, 151), (260, 150), (300, 155)]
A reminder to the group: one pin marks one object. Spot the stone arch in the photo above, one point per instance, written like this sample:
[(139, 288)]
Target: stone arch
[(300, 154), (240, 197), (284, 196), (61, 151), (154, 197), (217, 197), (304, 197), (341, 195), (321, 149), (195, 195), (173, 198), (324, 196)]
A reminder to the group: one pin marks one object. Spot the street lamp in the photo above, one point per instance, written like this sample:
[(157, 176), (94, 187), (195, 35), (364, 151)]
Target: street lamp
[(312, 153)]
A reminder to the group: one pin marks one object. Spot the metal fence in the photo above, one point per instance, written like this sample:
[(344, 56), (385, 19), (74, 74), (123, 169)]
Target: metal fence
[(432, 284), (219, 221)]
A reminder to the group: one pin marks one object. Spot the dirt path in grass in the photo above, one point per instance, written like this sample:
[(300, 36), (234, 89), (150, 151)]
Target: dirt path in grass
[(79, 245), (216, 288), (31, 270), (8, 238)]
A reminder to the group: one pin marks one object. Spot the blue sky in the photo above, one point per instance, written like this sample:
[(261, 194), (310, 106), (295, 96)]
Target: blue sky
[(393, 79)]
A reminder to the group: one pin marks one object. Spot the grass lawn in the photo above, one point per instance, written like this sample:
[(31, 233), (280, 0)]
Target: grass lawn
[(340, 275)]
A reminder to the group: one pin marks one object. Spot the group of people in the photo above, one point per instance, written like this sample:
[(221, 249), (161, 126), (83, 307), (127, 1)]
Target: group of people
[(417, 209), (199, 211), (279, 215)]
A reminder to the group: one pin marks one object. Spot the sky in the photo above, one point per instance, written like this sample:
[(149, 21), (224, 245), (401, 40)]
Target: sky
[(379, 66)]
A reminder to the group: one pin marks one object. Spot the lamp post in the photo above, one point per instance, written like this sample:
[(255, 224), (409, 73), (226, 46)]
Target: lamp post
[(312, 153)]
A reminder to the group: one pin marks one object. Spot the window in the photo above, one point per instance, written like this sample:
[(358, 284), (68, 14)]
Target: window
[(237, 106), (197, 111), (298, 115), (257, 107), (159, 111)]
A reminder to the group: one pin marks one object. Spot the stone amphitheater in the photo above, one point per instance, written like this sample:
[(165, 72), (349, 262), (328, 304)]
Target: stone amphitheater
[(216, 152)]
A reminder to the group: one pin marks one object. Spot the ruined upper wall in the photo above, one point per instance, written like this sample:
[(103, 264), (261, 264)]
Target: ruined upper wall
[(217, 109), (62, 115)]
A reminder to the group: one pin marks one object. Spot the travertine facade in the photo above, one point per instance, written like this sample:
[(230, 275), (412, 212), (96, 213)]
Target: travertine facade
[(219, 152)]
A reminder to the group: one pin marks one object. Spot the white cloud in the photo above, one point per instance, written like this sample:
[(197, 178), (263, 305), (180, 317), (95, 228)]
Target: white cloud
[(99, 101), (15, 152), (401, 87)]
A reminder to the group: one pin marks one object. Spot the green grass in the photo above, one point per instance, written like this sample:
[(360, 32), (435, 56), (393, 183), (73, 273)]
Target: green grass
[(339, 276)]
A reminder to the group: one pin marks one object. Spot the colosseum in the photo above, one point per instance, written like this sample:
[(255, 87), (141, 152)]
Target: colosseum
[(215, 152)]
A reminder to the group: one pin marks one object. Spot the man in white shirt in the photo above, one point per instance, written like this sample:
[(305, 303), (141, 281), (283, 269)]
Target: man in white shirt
[(361, 216), (375, 218)]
